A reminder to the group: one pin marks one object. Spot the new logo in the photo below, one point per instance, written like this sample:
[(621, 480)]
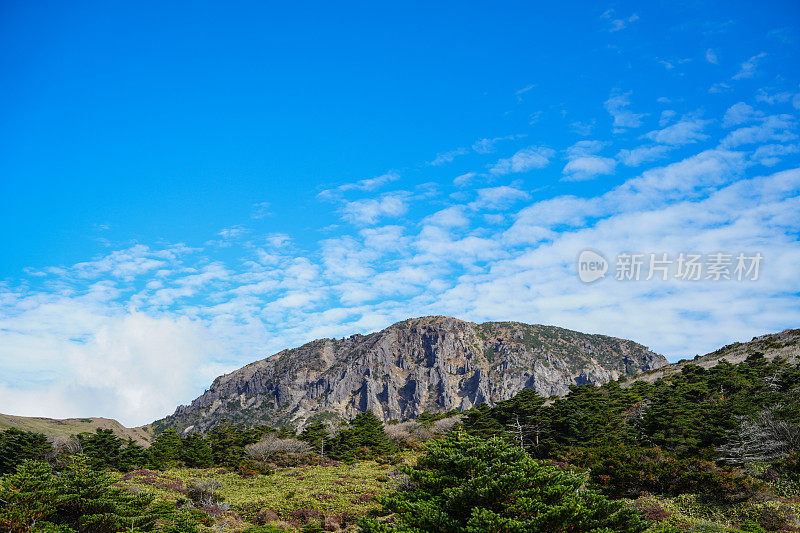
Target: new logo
[(591, 266)]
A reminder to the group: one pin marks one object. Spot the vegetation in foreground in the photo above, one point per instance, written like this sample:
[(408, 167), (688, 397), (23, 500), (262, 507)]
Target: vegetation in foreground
[(704, 450)]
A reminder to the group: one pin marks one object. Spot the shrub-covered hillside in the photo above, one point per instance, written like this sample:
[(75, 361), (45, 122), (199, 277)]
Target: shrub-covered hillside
[(704, 449)]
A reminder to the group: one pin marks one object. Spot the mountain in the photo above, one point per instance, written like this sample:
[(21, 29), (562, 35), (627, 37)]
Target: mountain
[(72, 426), (422, 364), (784, 345), (434, 363)]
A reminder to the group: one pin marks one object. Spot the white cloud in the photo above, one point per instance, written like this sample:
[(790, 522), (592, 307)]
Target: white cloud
[(770, 155), (498, 198), (583, 128), (524, 160), (277, 240), (188, 284), (447, 157), (488, 145), (718, 88), (522, 91), (642, 154), (463, 179), (233, 232), (260, 210), (451, 217), (588, 167), (739, 113), (368, 184), (587, 147), (774, 128), (583, 164), (370, 210), (666, 116), (773, 98), (131, 366), (618, 24), (617, 106), (748, 68), (711, 56), (686, 131), (127, 264)]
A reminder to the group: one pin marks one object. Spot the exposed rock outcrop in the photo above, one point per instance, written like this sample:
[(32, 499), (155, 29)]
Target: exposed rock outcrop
[(421, 364)]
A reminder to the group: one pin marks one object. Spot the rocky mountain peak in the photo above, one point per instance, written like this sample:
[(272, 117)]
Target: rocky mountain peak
[(431, 363)]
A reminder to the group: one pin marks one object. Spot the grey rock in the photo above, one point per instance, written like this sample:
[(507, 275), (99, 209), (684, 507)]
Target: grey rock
[(418, 365)]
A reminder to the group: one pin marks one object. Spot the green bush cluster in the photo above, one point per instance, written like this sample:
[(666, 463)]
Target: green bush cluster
[(79, 499), (665, 437), (626, 471), (468, 484), (363, 438)]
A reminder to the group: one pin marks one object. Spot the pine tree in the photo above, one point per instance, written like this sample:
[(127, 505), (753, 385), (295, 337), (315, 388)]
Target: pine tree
[(133, 456), (102, 448), (364, 437), (17, 446), (27, 496), (226, 444), (166, 450), (90, 503), (196, 452), (467, 484), (79, 500), (315, 434)]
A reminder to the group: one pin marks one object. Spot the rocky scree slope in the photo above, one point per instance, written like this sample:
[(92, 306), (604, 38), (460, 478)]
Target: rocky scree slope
[(421, 364)]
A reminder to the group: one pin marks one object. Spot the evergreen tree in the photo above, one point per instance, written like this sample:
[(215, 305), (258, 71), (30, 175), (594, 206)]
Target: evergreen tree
[(468, 484), (90, 503), (226, 445), (103, 448), (166, 450), (196, 452), (364, 437), (133, 456), (315, 434), (287, 432), (17, 446), (27, 496), (77, 500)]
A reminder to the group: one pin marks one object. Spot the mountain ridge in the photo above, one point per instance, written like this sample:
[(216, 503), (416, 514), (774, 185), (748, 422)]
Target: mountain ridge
[(784, 344), (431, 363), (64, 427)]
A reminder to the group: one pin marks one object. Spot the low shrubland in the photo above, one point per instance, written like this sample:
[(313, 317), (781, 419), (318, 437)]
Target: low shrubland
[(706, 450)]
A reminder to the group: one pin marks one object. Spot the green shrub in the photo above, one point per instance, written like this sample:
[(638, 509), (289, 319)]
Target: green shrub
[(628, 471), (364, 438), (264, 529), (465, 483), (79, 499), (17, 446)]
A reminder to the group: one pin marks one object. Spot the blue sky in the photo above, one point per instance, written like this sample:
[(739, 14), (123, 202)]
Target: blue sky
[(186, 188)]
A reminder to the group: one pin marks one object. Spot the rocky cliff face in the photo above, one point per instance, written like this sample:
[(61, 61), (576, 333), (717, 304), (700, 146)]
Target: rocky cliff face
[(422, 364)]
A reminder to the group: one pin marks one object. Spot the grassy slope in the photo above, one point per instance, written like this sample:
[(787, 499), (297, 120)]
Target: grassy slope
[(341, 492), (72, 426), (345, 492)]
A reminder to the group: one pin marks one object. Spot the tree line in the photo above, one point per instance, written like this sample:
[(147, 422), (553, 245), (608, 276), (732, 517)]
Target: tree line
[(525, 464), (696, 431)]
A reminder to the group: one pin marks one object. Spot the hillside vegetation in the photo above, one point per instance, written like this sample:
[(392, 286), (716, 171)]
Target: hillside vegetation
[(53, 427), (701, 449)]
